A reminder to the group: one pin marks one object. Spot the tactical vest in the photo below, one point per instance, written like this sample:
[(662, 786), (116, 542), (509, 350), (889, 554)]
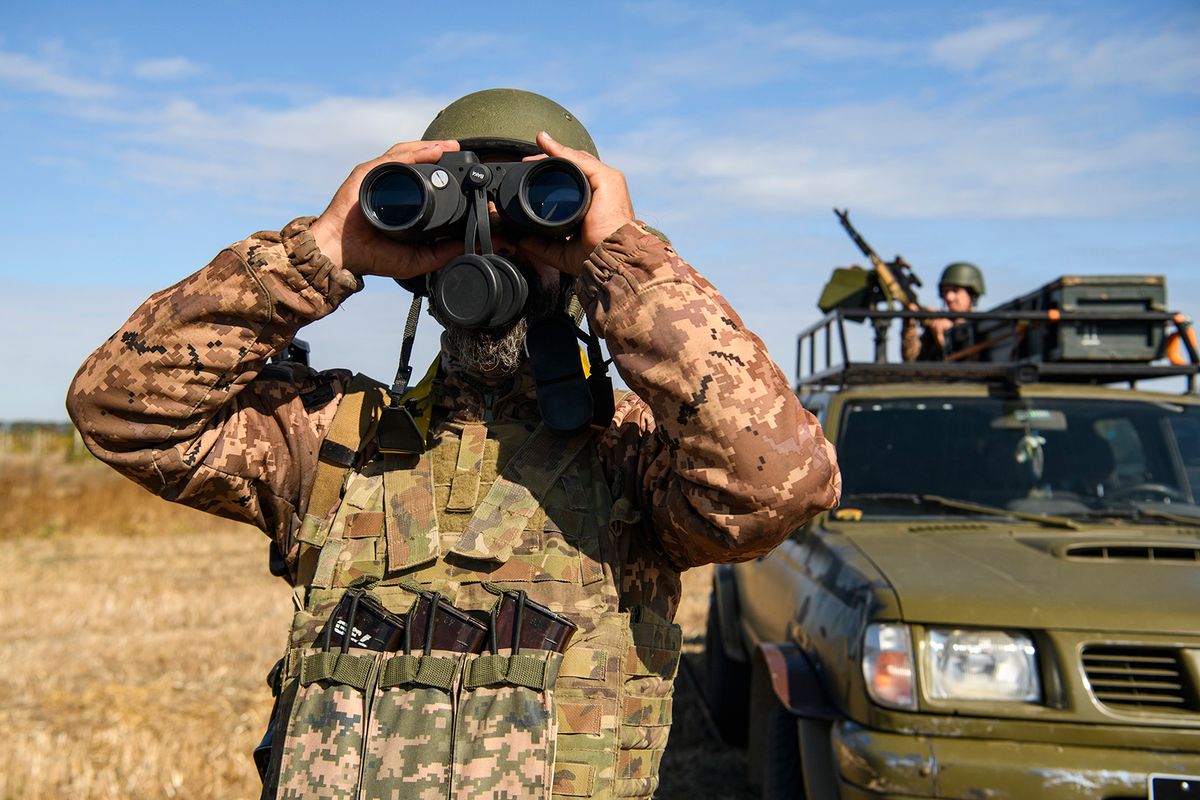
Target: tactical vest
[(509, 505)]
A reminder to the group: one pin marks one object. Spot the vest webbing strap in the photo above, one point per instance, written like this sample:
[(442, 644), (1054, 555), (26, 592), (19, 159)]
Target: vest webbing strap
[(353, 423), (533, 672), (343, 668), (464, 486), (517, 493), (409, 670)]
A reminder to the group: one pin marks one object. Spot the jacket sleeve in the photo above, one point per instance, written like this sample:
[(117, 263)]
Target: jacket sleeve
[(723, 460), (910, 340), (171, 400)]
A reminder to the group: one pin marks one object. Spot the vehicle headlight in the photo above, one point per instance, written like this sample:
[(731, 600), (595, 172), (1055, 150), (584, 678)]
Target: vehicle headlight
[(979, 665), (888, 665)]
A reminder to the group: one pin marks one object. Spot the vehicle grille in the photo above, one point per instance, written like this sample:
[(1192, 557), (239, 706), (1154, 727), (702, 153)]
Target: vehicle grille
[(1174, 554), (1151, 678)]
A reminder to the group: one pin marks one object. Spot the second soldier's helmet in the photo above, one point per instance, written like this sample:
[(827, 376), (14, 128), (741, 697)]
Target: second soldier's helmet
[(964, 274), (507, 120)]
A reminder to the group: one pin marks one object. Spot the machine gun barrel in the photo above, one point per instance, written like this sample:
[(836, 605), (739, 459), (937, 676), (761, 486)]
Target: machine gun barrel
[(896, 279), (844, 218)]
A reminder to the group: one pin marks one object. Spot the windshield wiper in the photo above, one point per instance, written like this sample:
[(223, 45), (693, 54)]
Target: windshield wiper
[(1139, 513), (967, 506)]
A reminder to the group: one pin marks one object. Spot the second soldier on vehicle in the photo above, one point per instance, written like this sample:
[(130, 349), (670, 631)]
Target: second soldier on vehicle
[(960, 287)]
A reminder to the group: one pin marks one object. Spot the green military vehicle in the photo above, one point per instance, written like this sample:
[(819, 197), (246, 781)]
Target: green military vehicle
[(1006, 604)]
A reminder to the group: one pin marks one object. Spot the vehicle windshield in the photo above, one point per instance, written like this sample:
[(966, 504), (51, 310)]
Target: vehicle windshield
[(1064, 457)]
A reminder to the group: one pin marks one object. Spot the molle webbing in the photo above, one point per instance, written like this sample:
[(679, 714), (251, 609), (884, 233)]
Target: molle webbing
[(530, 671), (344, 668), (464, 486), (405, 670), (353, 423), (517, 493)]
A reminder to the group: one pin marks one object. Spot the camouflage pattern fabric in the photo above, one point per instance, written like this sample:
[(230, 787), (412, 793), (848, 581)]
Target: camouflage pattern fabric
[(322, 749), (411, 525), (710, 458), (712, 444), (513, 498), (504, 737), (588, 708), (408, 748)]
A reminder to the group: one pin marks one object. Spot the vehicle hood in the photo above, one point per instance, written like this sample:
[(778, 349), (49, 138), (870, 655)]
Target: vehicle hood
[(992, 575)]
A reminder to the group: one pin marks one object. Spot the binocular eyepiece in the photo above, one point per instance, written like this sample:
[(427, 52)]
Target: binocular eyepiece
[(424, 202)]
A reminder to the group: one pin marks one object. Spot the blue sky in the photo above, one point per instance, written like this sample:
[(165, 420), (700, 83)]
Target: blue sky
[(1035, 139)]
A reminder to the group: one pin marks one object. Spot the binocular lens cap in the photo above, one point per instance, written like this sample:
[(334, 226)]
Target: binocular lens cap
[(466, 292), (513, 291)]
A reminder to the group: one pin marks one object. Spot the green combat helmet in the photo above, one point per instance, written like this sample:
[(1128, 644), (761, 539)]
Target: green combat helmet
[(963, 274), (507, 120)]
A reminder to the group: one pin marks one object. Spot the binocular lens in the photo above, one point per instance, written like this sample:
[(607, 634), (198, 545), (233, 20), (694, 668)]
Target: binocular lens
[(554, 194), (396, 197)]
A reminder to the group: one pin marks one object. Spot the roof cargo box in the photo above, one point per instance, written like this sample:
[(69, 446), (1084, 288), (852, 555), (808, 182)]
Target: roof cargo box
[(1079, 340)]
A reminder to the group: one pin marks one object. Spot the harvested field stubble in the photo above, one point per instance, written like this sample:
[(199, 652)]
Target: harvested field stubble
[(134, 662), (131, 670)]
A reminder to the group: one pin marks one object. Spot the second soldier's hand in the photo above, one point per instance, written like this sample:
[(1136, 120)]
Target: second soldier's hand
[(348, 240)]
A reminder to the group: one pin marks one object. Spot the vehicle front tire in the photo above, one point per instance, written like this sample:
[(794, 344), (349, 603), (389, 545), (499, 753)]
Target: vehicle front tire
[(726, 684), (782, 772)]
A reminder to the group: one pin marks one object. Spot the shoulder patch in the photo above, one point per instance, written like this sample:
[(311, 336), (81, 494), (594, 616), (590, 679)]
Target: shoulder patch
[(275, 372), (319, 395)]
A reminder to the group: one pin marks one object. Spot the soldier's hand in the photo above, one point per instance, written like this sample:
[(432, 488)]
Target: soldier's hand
[(611, 208), (345, 236), (939, 326)]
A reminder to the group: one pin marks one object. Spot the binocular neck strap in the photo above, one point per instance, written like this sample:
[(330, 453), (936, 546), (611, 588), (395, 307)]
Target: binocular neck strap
[(404, 370), (479, 226), (398, 431)]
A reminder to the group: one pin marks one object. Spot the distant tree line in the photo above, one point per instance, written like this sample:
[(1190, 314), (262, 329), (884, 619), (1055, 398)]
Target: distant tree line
[(42, 439)]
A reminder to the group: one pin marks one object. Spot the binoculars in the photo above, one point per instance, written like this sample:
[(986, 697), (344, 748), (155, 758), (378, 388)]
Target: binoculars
[(424, 202)]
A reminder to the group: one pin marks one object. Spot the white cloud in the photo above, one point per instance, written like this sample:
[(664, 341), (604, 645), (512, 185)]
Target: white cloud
[(803, 39), (1019, 52), (898, 160), (44, 76), (262, 154), (967, 49), (165, 69), (708, 49)]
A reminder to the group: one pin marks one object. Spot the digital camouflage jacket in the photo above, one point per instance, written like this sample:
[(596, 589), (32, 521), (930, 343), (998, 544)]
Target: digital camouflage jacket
[(711, 458)]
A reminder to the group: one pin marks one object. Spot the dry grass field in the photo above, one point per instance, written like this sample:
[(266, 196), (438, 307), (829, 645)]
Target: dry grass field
[(138, 635)]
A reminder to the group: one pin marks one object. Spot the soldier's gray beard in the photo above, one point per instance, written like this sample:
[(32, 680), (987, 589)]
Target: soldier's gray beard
[(497, 354), (484, 352)]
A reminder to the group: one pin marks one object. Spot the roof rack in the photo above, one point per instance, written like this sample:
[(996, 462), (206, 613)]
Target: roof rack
[(828, 335)]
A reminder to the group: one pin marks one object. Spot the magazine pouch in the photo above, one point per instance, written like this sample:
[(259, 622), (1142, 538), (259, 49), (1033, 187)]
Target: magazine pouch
[(409, 747), (505, 724), (323, 745)]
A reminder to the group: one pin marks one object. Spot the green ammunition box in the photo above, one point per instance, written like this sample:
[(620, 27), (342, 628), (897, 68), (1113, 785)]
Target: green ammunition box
[(1098, 340)]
